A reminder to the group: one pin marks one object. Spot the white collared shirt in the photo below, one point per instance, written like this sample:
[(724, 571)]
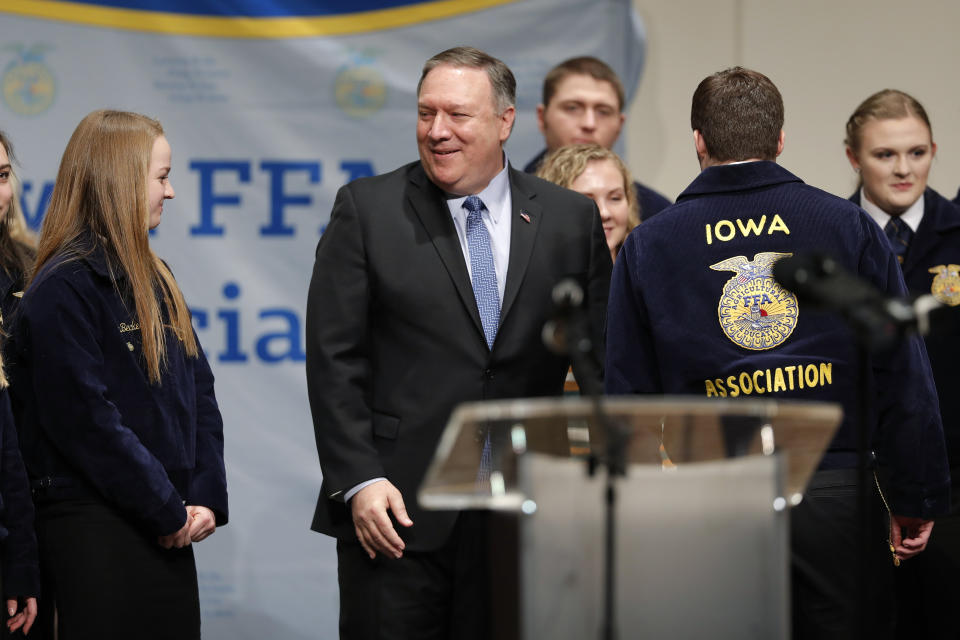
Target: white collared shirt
[(496, 218), (911, 216)]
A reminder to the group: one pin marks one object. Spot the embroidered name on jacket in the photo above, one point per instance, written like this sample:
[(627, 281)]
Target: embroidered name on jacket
[(755, 312), (946, 284), (125, 328)]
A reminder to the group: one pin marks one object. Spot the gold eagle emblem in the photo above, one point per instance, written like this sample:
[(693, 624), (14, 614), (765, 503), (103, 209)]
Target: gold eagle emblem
[(755, 312), (946, 284)]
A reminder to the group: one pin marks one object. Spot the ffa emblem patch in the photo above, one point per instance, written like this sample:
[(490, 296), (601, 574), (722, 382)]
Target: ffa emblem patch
[(946, 284), (755, 312)]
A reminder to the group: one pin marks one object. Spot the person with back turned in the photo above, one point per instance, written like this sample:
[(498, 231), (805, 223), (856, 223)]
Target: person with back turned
[(714, 250), (431, 287)]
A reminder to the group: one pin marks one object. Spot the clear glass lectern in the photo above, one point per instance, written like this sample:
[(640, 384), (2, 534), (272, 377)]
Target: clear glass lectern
[(701, 542)]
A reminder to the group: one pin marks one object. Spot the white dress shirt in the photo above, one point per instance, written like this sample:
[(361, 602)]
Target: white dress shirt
[(911, 216), (496, 218)]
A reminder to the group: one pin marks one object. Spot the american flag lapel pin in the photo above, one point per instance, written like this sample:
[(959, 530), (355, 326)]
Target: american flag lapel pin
[(525, 216)]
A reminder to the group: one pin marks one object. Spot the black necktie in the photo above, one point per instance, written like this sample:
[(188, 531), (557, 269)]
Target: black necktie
[(899, 234)]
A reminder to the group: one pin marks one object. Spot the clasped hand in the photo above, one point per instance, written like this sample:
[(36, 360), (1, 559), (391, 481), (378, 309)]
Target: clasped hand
[(199, 525), (909, 536)]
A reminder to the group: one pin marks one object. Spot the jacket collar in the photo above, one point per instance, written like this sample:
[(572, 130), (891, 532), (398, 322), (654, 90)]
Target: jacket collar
[(726, 178), (940, 216), (90, 249)]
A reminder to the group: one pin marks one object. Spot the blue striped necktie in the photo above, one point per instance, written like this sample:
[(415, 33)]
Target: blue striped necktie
[(487, 295), (483, 274)]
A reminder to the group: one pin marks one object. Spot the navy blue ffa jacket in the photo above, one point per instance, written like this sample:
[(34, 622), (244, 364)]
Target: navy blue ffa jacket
[(11, 287), (91, 424), (651, 202), (694, 310), (21, 573), (932, 266)]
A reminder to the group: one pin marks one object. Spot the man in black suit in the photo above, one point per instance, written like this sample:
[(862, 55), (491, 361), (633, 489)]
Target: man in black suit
[(431, 287)]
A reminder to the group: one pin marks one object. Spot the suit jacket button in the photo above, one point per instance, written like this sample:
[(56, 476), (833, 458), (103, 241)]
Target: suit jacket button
[(488, 374)]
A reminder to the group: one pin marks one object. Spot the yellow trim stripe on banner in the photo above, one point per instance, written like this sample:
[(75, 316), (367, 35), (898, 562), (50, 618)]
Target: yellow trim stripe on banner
[(245, 27)]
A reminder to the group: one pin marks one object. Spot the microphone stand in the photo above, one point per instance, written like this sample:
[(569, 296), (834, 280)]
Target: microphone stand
[(579, 346), (877, 322)]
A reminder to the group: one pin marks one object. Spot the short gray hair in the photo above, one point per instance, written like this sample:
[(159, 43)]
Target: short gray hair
[(501, 78)]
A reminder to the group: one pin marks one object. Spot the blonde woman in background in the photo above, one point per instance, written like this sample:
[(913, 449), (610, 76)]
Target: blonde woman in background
[(600, 174)]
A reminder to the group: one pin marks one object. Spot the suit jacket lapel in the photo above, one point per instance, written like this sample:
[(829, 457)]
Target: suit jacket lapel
[(428, 204), (525, 217)]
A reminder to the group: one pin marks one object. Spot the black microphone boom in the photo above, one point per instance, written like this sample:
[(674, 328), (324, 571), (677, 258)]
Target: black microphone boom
[(819, 280)]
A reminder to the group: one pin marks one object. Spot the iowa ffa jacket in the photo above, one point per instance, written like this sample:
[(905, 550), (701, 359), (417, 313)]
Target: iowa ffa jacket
[(694, 309)]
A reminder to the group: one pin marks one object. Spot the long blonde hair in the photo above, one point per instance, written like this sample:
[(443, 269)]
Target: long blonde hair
[(101, 188), (18, 244)]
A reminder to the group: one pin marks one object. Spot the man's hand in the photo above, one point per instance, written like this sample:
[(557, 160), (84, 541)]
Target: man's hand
[(372, 523), (914, 537)]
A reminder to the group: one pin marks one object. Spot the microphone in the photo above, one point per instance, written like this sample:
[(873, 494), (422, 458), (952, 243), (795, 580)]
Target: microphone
[(818, 279), (567, 297)]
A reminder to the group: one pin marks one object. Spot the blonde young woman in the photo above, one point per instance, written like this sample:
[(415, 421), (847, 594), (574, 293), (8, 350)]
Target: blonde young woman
[(17, 243), (598, 173), (890, 146), (19, 573), (114, 400)]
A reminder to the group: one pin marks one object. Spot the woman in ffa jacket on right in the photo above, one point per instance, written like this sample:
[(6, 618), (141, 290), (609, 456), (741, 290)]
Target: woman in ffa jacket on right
[(890, 144), (114, 399)]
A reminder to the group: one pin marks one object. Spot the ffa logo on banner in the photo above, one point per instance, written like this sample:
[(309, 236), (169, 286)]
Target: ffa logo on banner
[(755, 312), (28, 84), (946, 284), (360, 88)]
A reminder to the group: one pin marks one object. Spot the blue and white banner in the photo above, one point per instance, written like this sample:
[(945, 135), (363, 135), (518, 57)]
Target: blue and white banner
[(270, 106)]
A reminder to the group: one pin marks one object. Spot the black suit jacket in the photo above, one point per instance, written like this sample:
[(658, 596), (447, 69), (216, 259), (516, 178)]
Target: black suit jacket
[(394, 338)]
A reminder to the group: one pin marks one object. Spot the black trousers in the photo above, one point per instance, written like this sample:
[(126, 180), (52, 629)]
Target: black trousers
[(928, 586), (825, 545), (429, 595), (106, 578)]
